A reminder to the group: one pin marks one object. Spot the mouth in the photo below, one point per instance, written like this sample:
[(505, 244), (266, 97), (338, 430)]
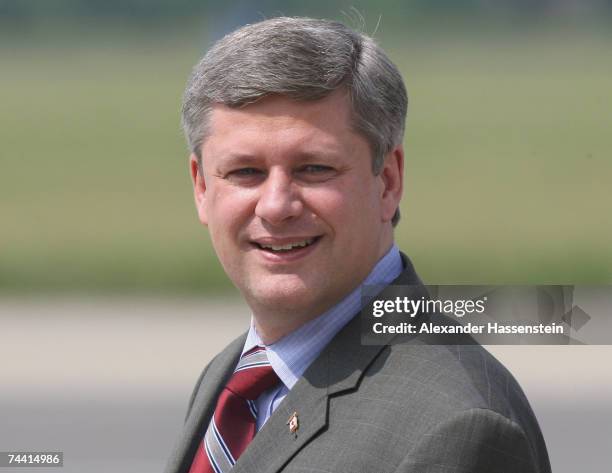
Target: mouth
[(286, 247)]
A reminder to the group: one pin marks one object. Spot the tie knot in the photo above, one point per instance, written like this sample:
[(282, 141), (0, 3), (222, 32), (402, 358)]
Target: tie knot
[(253, 375)]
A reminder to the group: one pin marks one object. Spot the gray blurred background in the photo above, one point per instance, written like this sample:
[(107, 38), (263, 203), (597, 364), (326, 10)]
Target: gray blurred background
[(111, 298)]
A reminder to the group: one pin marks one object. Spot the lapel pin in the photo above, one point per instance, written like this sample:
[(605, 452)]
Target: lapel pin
[(293, 424)]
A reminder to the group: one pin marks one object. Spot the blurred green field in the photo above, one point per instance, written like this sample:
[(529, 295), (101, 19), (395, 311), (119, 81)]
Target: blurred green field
[(508, 175)]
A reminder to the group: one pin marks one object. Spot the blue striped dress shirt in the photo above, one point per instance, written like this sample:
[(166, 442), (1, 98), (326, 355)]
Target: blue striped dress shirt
[(292, 355)]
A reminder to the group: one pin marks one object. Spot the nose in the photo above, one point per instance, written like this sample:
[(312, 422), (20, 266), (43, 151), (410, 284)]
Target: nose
[(279, 200)]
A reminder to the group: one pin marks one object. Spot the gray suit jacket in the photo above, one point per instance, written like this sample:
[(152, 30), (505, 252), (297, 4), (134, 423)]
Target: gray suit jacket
[(410, 407)]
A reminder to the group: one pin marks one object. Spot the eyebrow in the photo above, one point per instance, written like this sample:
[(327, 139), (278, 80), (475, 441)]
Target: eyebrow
[(317, 155), (299, 157), (232, 159)]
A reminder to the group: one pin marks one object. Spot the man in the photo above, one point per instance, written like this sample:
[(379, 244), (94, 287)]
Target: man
[(296, 129)]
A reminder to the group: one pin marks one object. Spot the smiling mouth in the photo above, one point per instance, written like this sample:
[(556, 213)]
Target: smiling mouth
[(288, 247)]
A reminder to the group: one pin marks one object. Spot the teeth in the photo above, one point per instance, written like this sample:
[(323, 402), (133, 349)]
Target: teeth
[(290, 246)]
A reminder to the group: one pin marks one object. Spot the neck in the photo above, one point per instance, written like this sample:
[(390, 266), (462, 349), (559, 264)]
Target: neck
[(272, 324), (270, 332)]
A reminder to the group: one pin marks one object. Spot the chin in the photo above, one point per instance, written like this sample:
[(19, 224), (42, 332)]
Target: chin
[(286, 293)]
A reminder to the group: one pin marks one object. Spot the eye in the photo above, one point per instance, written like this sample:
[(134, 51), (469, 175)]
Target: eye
[(244, 175), (315, 173), (244, 172), (316, 169)]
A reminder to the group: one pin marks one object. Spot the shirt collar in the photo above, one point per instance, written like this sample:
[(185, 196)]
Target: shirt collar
[(292, 355)]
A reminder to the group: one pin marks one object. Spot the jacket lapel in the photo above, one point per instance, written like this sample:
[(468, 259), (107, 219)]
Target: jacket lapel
[(330, 374), (211, 383), (274, 444)]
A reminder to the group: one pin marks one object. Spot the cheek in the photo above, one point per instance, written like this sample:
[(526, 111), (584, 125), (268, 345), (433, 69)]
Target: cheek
[(228, 209), (326, 203), (353, 210), (337, 207)]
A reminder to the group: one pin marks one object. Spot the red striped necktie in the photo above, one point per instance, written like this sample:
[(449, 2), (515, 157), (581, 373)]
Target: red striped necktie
[(232, 426)]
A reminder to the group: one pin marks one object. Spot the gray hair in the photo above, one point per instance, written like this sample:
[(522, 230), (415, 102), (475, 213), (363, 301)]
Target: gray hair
[(303, 59)]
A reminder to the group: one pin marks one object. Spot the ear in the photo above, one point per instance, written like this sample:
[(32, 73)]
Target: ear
[(199, 188), (392, 175)]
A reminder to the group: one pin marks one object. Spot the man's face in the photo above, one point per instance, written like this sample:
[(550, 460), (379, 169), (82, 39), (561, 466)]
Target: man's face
[(295, 214)]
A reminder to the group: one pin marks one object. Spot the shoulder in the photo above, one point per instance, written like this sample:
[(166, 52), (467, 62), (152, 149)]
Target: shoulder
[(450, 400), (453, 376)]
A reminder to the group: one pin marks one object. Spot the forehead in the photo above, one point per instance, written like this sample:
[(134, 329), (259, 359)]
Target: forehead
[(278, 120)]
